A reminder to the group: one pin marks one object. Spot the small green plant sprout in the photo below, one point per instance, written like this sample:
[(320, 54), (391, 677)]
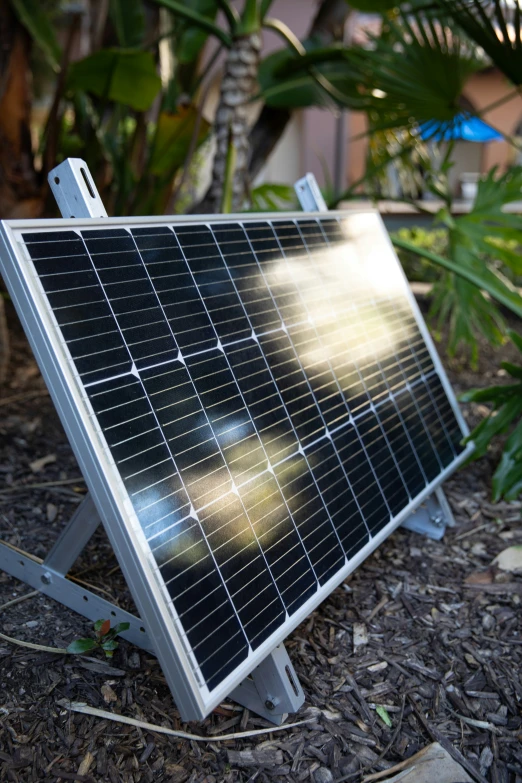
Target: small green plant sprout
[(105, 639), (383, 714)]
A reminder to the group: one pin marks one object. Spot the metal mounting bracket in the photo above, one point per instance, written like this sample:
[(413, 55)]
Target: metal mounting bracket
[(309, 195), (273, 688), (75, 191), (434, 515)]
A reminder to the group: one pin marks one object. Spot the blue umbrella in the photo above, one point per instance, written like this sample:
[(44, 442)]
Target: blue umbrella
[(462, 128)]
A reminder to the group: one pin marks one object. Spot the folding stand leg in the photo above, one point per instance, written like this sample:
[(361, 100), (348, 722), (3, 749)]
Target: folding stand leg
[(50, 578), (73, 538), (273, 689)]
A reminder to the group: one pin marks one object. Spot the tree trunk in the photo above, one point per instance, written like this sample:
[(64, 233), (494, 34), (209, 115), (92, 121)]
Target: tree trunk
[(230, 169), (21, 194), (327, 26)]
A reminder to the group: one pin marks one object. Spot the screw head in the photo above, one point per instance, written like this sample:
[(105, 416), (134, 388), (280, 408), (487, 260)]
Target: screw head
[(46, 579), (269, 705)]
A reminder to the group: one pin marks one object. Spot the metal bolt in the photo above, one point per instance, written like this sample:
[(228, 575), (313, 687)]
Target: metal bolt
[(437, 520), (269, 705), (46, 578)]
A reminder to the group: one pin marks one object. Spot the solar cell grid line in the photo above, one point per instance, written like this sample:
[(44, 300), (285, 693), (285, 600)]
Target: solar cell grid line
[(332, 403), (250, 285), (335, 486), (225, 628), (263, 400), (266, 250), (395, 494), (283, 242), (279, 537), (304, 522), (174, 284), (72, 316), (431, 431), (324, 571), (223, 251), (426, 367), (322, 576), (275, 413), (135, 304), (245, 548), (365, 445), (395, 488), (213, 280), (402, 446)]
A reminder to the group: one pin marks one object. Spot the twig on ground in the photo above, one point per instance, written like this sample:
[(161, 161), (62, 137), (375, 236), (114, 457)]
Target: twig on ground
[(41, 647), (77, 706), (42, 485), (19, 599), (380, 757), (446, 744), (25, 396)]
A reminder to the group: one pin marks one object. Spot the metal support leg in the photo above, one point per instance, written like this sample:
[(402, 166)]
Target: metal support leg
[(273, 689), (433, 517), (73, 539), (24, 567)]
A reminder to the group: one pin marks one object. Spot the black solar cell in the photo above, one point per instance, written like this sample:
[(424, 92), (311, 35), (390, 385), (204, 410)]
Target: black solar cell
[(267, 398)]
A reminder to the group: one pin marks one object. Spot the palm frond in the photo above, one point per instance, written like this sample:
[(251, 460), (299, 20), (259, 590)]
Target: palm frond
[(495, 27), (416, 73)]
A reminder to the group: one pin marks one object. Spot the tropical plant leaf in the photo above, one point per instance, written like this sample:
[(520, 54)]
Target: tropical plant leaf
[(190, 14), (508, 474), (272, 197), (173, 138), (123, 76), (495, 26), (487, 226), (286, 81), (505, 416), (192, 37), (81, 646), (475, 272), (477, 241), (373, 6), (415, 72), (128, 19), (37, 20), (121, 627)]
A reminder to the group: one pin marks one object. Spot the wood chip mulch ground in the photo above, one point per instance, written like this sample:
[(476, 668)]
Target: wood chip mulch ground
[(429, 631)]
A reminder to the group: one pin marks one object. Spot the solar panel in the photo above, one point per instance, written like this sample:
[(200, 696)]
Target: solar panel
[(255, 403)]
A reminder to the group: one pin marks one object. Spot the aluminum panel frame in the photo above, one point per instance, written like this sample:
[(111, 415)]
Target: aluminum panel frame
[(193, 701)]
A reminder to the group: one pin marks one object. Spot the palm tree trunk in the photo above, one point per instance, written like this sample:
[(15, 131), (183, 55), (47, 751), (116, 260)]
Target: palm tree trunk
[(230, 184), (327, 26)]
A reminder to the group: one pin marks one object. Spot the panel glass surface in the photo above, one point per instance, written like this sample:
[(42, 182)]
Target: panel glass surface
[(267, 397)]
